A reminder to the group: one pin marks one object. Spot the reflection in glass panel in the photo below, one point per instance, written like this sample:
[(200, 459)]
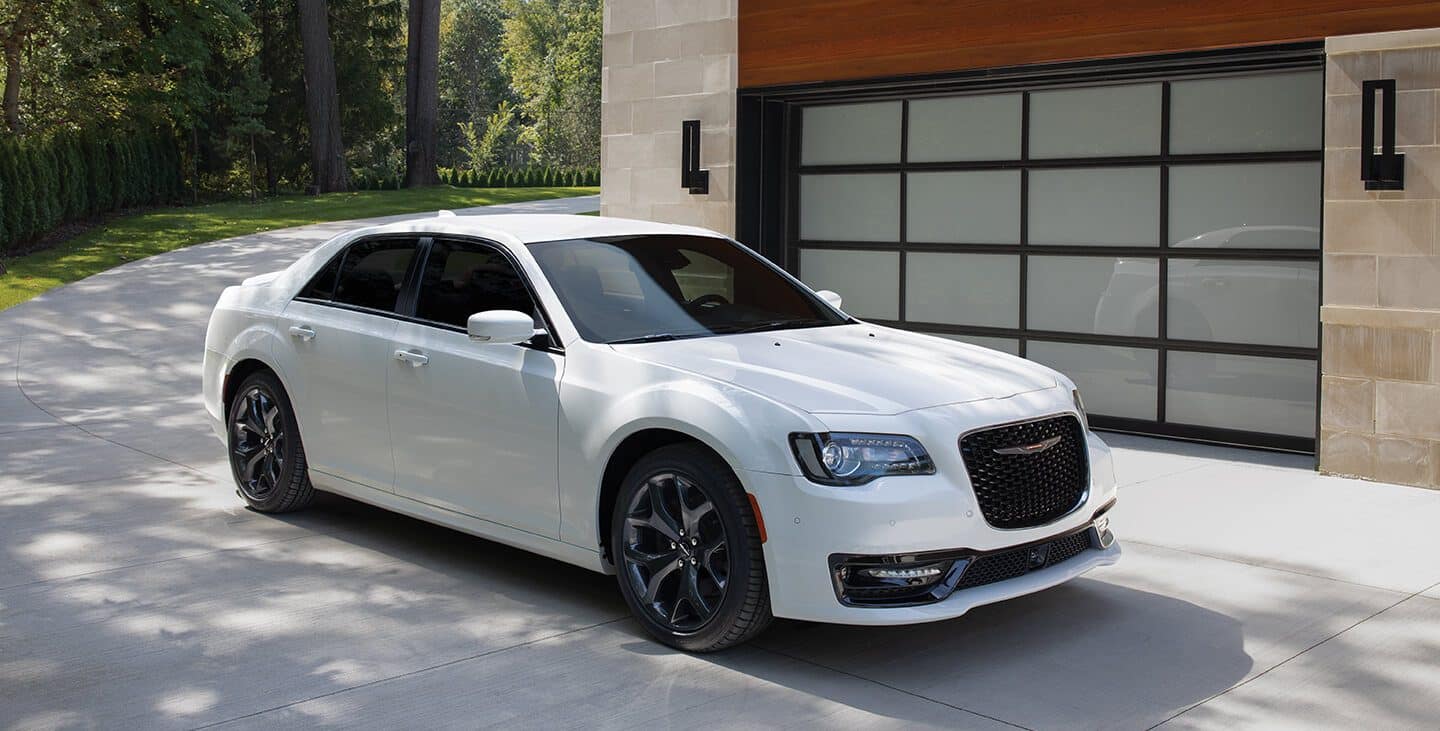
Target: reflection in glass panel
[(1230, 301), (963, 289), (1254, 205), (1275, 395), (985, 127), (850, 133), (1114, 381), (980, 207), (1084, 294), (1109, 206), (867, 281), (1247, 113), (850, 207), (1096, 121), (1004, 345)]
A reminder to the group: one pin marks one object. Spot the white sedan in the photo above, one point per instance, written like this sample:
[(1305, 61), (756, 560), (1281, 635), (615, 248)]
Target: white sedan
[(660, 403)]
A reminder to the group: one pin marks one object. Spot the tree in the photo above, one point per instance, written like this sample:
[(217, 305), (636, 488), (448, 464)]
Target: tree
[(472, 83), (322, 101), (481, 149), (552, 53), (422, 60)]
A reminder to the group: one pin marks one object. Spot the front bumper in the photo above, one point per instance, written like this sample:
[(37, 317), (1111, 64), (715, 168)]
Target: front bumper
[(813, 529)]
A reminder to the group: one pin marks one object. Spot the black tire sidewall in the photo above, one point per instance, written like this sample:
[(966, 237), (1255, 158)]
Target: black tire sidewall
[(719, 485), (294, 460)]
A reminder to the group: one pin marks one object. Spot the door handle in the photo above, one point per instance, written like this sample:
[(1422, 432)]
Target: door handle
[(413, 358), (304, 332)]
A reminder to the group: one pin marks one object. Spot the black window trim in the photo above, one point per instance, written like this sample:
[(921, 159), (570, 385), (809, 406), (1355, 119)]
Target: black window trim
[(407, 300)]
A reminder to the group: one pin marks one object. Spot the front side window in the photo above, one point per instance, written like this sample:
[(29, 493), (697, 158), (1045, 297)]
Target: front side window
[(461, 279), (664, 287)]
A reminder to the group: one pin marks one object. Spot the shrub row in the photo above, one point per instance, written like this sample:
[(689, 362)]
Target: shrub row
[(48, 181), (530, 177)]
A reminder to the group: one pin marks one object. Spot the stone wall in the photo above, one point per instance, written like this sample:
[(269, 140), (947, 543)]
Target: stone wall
[(666, 61), (1380, 352)]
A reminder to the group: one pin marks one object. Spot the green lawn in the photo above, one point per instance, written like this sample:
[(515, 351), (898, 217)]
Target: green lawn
[(154, 232)]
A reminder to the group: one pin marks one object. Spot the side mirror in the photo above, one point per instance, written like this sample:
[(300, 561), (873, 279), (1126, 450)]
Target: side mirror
[(500, 327), (830, 297)]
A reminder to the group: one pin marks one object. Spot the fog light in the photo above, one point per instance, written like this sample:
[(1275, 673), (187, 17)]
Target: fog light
[(1102, 531), (923, 572)]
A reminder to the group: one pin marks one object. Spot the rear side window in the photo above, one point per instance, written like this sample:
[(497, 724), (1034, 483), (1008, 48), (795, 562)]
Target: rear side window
[(461, 279), (373, 272), (322, 285)]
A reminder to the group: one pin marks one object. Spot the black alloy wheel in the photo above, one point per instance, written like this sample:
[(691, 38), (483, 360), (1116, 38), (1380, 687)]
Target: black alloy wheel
[(675, 552), (266, 455), (687, 550)]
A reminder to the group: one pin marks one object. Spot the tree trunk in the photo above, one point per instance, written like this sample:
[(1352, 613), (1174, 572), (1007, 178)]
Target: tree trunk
[(322, 101), (422, 99), (14, 44)]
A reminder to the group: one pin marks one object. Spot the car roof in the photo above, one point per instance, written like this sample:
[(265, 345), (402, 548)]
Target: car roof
[(530, 228)]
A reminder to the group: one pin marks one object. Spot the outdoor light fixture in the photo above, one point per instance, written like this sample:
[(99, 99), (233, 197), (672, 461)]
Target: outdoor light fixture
[(1384, 170), (694, 179)]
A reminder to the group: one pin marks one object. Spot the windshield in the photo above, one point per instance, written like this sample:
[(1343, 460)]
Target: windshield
[(644, 288)]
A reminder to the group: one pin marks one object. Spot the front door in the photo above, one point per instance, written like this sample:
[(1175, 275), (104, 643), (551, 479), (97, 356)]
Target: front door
[(474, 426)]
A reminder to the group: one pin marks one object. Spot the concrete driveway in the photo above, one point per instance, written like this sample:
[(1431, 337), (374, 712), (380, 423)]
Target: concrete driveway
[(136, 591)]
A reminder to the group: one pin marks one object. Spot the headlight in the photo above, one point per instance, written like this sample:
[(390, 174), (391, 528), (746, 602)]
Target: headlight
[(1080, 407), (855, 459)]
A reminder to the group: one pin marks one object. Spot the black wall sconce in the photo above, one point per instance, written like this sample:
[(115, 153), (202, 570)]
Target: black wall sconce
[(1384, 170), (692, 178)]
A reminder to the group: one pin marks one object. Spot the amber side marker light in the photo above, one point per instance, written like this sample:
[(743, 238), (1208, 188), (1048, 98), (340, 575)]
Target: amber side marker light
[(759, 519)]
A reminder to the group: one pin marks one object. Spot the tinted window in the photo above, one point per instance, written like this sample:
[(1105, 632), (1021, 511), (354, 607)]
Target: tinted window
[(629, 288), (461, 279), (322, 285), (373, 272)]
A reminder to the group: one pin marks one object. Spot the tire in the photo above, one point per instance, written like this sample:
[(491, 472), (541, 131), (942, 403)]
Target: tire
[(267, 458), (723, 539)]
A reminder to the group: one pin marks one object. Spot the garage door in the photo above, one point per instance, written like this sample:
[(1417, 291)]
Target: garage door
[(1157, 240)]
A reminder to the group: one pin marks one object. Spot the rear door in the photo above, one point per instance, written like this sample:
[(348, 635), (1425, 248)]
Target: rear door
[(475, 425), (336, 355)]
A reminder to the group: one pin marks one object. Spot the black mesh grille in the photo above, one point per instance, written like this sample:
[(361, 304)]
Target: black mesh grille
[(1010, 564), (1026, 490)]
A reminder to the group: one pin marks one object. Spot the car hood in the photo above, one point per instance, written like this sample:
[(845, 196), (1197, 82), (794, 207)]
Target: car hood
[(854, 369)]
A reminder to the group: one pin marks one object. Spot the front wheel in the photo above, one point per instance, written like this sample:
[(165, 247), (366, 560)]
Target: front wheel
[(687, 551), (266, 455)]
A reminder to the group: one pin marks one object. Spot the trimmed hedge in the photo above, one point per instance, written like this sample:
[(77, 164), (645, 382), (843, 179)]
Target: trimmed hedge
[(527, 177), (49, 181)]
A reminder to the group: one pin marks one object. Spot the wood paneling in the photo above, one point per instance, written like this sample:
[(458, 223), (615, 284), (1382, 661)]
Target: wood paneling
[(798, 41)]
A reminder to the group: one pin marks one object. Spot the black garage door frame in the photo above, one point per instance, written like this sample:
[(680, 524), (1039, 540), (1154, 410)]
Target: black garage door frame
[(768, 175)]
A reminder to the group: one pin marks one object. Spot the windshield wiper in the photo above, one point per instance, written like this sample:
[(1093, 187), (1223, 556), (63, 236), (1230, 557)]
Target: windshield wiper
[(773, 325), (651, 338)]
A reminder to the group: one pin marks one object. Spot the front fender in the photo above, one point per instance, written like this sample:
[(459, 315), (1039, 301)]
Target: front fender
[(747, 430)]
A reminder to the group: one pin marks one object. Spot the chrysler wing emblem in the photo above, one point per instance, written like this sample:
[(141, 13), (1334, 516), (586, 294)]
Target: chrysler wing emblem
[(1035, 448)]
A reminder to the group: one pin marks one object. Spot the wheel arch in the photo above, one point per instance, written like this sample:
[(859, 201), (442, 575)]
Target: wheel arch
[(626, 454), (239, 371)]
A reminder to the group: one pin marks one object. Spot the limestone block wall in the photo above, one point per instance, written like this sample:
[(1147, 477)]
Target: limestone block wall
[(666, 61), (1380, 351)]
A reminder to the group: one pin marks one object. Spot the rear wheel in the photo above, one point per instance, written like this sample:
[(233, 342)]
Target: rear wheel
[(687, 551), (266, 455)]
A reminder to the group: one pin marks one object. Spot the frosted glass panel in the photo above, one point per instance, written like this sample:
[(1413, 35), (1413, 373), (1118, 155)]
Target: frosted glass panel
[(1264, 205), (981, 207), (1247, 113), (963, 289), (1275, 395), (1110, 206), (1114, 381), (983, 127), (850, 133), (1004, 345), (1098, 121), (867, 281), (1262, 302), (850, 207), (1086, 294)]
